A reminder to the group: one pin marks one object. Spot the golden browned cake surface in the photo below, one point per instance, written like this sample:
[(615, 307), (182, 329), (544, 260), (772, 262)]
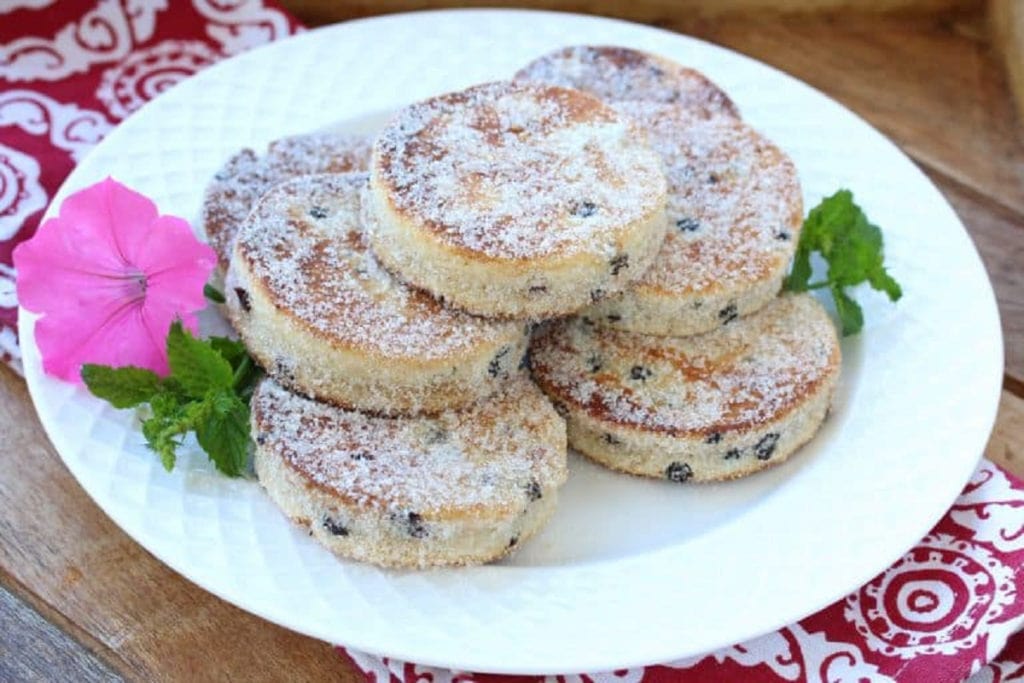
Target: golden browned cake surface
[(735, 210), (318, 311), (458, 488), (245, 177), (516, 199), (709, 406), (621, 74)]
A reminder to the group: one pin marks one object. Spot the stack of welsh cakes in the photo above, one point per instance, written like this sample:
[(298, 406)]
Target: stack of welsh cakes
[(390, 289)]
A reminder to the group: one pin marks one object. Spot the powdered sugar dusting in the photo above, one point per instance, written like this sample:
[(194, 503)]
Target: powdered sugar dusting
[(620, 74), (492, 457), (734, 202), (237, 186), (742, 374), (516, 171), (306, 243)]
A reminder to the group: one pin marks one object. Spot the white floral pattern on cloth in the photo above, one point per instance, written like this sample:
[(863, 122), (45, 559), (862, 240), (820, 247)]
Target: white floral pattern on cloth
[(103, 34), (939, 599), (145, 74), (21, 195), (9, 6), (69, 127), (238, 25)]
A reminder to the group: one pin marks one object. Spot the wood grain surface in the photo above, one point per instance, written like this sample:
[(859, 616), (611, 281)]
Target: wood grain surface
[(80, 601)]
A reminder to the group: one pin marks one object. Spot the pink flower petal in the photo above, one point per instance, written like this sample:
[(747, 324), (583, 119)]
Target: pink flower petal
[(118, 339), (169, 242), (109, 276), (95, 221), (131, 216)]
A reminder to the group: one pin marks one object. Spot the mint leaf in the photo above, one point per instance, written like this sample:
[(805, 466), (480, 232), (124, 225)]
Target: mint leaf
[(213, 294), (850, 314), (171, 420), (224, 433), (852, 246), (195, 365), (207, 392), (800, 275), (231, 350), (121, 387), (883, 282)]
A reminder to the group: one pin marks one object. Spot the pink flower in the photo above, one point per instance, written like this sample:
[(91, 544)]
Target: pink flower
[(109, 276)]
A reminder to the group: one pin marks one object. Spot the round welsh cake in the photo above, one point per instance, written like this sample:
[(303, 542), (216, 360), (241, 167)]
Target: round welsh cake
[(459, 488), (237, 186), (703, 408), (621, 74), (324, 318), (515, 199), (735, 210)]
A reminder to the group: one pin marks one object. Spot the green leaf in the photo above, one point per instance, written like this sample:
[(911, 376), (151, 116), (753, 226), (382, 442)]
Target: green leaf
[(801, 273), (224, 433), (850, 314), (213, 294), (231, 350), (195, 364), (121, 387), (852, 247), (883, 282), (171, 420)]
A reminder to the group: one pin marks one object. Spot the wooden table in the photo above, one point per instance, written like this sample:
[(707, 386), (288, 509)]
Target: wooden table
[(80, 601)]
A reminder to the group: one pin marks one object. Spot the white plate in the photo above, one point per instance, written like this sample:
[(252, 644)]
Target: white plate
[(629, 571)]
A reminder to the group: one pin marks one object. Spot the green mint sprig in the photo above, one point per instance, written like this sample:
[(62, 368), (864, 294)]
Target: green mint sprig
[(852, 246), (207, 392)]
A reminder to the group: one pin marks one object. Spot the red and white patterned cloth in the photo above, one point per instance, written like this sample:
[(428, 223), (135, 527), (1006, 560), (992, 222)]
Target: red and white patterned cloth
[(952, 608)]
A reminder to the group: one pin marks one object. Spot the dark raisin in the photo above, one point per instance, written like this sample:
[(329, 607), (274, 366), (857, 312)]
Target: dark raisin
[(596, 295), (318, 212), (639, 372), (733, 454), (538, 289), (587, 321), (656, 71), (712, 178), (766, 446), (688, 224), (618, 263), (437, 435), (678, 472), (512, 541), (494, 367), (284, 369), (697, 304), (260, 439), (713, 437), (594, 363), (533, 492), (585, 209), (610, 440), (243, 299), (613, 317), (361, 455), (414, 525), (782, 235), (524, 362), (334, 527), (728, 314), (561, 409)]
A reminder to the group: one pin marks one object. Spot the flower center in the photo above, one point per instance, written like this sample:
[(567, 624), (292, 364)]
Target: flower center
[(137, 282)]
